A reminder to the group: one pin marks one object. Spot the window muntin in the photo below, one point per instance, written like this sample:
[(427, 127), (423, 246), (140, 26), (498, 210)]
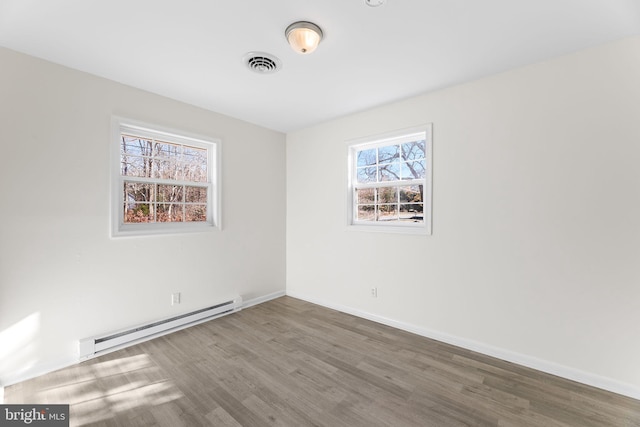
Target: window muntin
[(164, 182), (391, 181)]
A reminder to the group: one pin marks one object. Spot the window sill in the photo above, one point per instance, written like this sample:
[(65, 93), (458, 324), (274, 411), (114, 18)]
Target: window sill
[(394, 229), (146, 229)]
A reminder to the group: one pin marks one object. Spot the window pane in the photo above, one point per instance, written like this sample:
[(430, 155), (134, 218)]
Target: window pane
[(412, 212), (411, 193), (138, 212), (413, 170), (166, 150), (366, 213), (413, 150), (366, 157), (195, 155), (365, 196), (196, 213), (135, 166), (196, 195), (170, 193), (388, 212), (387, 195), (136, 146), (367, 174), (389, 172), (137, 192), (169, 212), (195, 164), (194, 172), (167, 169), (388, 154)]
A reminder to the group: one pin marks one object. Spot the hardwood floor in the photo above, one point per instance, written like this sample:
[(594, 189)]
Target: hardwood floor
[(291, 363)]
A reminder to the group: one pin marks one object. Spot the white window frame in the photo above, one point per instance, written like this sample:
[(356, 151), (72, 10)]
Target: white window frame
[(381, 140), (121, 125)]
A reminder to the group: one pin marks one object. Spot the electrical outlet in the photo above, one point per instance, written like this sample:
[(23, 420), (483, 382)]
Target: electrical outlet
[(374, 292), (175, 298)]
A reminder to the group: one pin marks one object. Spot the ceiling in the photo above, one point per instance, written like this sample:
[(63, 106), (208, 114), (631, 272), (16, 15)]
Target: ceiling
[(192, 50)]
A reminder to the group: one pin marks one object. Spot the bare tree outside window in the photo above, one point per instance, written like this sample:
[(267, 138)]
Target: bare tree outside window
[(390, 182), (165, 182)]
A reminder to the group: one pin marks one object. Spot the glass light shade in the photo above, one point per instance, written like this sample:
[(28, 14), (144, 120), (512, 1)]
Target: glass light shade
[(303, 37)]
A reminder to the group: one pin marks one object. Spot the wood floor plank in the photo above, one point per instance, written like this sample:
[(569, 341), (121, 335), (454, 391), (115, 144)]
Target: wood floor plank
[(291, 363)]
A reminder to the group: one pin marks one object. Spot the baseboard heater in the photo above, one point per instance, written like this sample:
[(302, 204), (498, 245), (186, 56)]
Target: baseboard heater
[(105, 343)]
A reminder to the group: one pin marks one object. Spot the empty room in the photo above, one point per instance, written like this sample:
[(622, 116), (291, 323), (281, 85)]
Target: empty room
[(320, 213)]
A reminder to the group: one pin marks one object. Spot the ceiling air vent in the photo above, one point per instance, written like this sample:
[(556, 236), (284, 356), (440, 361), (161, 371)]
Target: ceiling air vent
[(262, 63)]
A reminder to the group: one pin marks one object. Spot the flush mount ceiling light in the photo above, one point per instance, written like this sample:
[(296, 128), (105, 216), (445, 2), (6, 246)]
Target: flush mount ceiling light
[(375, 3), (303, 36)]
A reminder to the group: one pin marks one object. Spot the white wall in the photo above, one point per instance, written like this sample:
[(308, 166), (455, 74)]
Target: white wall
[(61, 276), (535, 252)]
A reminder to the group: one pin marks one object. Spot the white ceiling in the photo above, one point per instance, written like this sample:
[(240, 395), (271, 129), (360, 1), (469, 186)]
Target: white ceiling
[(192, 50)]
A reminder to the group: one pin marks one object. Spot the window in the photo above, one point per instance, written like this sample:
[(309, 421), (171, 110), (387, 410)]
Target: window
[(163, 182), (390, 182)]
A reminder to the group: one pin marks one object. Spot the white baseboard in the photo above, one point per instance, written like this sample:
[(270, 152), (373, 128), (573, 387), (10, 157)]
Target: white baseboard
[(567, 372), (265, 298), (37, 370)]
